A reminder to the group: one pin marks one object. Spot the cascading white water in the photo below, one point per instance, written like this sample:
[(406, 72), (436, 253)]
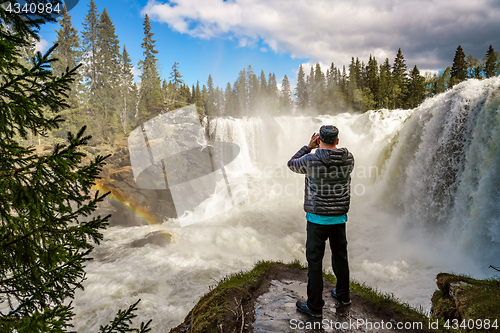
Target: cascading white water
[(432, 170), (443, 173)]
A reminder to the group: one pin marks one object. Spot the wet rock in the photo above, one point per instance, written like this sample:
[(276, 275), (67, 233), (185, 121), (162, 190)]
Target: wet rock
[(131, 197), (130, 200), (466, 300), (91, 150), (159, 238), (265, 302), (443, 306), (274, 309)]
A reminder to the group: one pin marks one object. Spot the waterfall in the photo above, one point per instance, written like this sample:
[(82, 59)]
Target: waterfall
[(443, 172), (425, 193)]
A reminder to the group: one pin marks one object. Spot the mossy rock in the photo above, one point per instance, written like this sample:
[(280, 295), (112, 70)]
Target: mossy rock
[(464, 299), (230, 305), (223, 308), (443, 306)]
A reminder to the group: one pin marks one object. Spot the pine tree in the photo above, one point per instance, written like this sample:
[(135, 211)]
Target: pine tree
[(192, 97), (127, 90), (373, 79), (358, 73), (399, 81), (319, 89), (353, 71), (174, 97), (241, 92), (459, 67), (46, 233), (286, 96), (311, 87), (335, 98), (262, 98), (197, 96), (343, 81), (368, 100), (273, 92), (490, 63), (150, 92), (211, 97), (229, 105), (219, 101), (204, 99), (184, 94), (175, 76), (106, 106), (331, 79), (361, 80), (416, 88), (353, 93), (253, 90), (69, 55), (24, 57), (330, 84), (89, 49), (90, 39), (384, 84), (301, 89), (263, 86)]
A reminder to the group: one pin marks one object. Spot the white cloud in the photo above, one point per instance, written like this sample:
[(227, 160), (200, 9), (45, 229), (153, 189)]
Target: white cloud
[(263, 49), (137, 72), (427, 31), (243, 42), (41, 45), (306, 66)]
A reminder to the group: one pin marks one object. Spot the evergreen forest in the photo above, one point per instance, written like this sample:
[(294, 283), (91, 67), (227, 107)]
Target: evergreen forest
[(106, 98)]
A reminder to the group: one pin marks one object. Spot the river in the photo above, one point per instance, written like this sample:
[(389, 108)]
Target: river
[(425, 193)]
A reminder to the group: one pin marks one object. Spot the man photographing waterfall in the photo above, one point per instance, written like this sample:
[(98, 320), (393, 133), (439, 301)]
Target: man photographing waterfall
[(326, 202)]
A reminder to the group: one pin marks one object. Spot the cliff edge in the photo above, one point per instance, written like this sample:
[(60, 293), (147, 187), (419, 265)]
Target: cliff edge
[(263, 300), (467, 304)]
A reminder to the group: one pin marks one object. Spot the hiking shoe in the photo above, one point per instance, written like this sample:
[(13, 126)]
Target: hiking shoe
[(341, 301), (304, 308)]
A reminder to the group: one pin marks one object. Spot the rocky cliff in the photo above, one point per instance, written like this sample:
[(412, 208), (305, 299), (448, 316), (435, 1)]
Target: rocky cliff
[(263, 300), (467, 304)]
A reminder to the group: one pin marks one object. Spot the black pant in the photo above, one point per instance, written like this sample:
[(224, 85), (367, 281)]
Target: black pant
[(317, 235)]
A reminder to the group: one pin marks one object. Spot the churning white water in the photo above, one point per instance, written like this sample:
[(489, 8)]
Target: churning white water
[(426, 187)]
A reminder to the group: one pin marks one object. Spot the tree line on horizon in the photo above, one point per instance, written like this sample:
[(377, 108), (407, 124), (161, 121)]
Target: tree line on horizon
[(107, 100)]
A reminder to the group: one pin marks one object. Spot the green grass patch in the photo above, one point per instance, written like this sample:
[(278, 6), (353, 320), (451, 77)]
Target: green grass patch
[(472, 300), (403, 312), (209, 314)]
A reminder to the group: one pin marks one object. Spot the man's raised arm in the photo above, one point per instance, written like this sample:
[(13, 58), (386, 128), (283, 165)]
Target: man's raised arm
[(298, 162)]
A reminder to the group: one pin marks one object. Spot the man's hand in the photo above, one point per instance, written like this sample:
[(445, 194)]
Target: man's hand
[(314, 141)]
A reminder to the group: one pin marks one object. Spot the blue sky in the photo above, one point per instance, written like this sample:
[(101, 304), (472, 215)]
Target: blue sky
[(223, 58), (222, 37)]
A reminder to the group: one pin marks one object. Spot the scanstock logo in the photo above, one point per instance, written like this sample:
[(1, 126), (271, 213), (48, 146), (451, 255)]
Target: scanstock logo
[(171, 151)]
